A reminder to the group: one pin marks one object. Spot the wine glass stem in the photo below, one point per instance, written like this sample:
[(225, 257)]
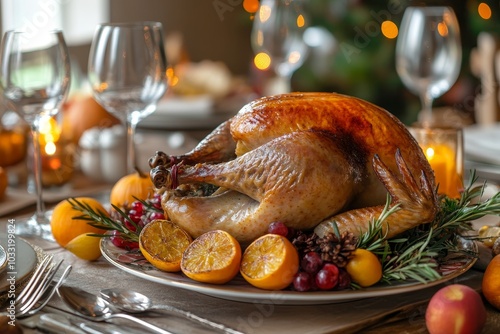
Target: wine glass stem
[(131, 159), (37, 173), (426, 116)]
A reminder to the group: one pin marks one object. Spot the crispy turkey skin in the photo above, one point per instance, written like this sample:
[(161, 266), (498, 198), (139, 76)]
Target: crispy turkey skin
[(306, 159)]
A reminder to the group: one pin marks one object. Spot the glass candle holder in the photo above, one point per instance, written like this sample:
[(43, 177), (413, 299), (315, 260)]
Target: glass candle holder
[(57, 163), (56, 153), (443, 148)]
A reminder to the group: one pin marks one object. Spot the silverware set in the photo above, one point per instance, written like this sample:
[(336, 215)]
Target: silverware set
[(42, 286)]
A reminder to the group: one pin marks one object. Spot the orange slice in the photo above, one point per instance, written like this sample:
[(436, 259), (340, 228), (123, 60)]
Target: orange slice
[(162, 244), (213, 257), (270, 262)]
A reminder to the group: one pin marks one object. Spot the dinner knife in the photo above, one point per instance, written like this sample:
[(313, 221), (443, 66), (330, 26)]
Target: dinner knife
[(59, 324)]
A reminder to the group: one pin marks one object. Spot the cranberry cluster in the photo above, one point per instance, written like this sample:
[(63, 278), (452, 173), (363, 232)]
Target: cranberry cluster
[(139, 213), (314, 273)]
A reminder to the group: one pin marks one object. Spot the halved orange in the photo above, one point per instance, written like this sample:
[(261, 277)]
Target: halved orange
[(162, 244), (270, 262), (213, 257)]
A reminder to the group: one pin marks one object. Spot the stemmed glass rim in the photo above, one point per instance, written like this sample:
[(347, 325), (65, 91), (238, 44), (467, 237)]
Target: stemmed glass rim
[(133, 24), (430, 7), (18, 31)]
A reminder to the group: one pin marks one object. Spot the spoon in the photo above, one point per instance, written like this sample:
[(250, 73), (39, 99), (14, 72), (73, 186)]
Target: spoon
[(135, 302), (95, 308)]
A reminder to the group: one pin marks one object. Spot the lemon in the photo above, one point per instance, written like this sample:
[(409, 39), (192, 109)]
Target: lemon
[(86, 247)]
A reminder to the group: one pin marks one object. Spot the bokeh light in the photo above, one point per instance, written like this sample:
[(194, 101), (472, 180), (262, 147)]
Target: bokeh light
[(442, 29), (251, 6), (262, 61), (484, 11), (300, 21), (389, 29)]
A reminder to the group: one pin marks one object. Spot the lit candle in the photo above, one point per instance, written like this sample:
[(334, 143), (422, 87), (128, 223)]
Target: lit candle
[(443, 149), (443, 161), (56, 155)]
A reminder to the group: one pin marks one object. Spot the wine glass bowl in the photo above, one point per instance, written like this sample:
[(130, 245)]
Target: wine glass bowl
[(35, 79), (277, 31), (428, 53), (127, 72)]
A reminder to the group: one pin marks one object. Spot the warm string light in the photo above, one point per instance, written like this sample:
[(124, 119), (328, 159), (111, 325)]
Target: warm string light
[(484, 11), (389, 29), (251, 6)]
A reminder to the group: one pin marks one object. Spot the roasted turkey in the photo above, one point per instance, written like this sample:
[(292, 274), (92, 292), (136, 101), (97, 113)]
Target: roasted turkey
[(305, 159)]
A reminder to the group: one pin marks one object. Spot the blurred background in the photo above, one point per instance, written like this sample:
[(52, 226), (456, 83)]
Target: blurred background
[(349, 51)]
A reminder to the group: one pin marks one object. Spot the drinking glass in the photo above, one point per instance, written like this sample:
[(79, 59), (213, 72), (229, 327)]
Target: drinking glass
[(277, 31), (428, 53), (127, 73), (35, 78)]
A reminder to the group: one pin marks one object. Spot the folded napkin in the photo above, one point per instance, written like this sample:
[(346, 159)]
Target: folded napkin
[(481, 144)]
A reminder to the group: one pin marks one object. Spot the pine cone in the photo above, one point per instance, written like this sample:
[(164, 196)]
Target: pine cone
[(306, 243), (331, 248), (335, 250)]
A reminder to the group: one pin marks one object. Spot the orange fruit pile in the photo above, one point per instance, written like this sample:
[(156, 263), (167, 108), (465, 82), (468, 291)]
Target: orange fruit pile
[(213, 257), (162, 243), (270, 262)]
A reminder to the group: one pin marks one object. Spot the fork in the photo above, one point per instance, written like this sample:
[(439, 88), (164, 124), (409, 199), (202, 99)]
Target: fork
[(38, 286)]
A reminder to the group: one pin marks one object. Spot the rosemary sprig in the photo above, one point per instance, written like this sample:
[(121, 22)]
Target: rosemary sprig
[(103, 221), (374, 237), (416, 253)]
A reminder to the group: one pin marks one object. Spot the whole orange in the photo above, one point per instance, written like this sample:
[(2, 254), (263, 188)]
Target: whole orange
[(131, 187), (491, 282), (65, 228)]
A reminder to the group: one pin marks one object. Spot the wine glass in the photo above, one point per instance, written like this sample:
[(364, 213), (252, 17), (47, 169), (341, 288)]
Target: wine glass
[(35, 78), (127, 73), (428, 53), (277, 33)]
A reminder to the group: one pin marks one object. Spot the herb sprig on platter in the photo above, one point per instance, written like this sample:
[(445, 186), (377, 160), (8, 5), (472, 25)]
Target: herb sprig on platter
[(418, 252)]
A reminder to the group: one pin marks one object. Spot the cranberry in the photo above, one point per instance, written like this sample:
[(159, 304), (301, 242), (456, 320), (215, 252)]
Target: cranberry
[(118, 241), (137, 206), (328, 277), (135, 215), (156, 215), (130, 226), (303, 281), (311, 262), (278, 228), (344, 279), (156, 201)]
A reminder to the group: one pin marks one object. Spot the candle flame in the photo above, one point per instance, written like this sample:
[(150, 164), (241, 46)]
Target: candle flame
[(50, 148), (429, 153)]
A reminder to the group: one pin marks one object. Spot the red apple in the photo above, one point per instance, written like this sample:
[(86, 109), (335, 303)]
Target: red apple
[(456, 309)]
